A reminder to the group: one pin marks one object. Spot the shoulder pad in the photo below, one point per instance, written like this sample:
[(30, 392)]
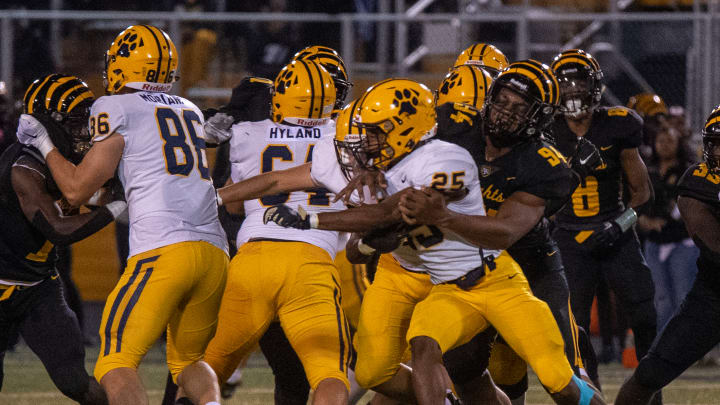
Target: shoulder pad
[(699, 183)]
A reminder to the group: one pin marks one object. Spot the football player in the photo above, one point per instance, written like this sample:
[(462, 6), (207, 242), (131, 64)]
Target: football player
[(298, 283), (524, 178), (595, 230), (396, 119), (176, 271), (31, 293), (695, 327)]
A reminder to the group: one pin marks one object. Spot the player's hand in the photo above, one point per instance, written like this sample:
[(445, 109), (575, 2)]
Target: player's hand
[(586, 159), (426, 206), (384, 240), (31, 132), (373, 179), (217, 128), (605, 236), (287, 217)]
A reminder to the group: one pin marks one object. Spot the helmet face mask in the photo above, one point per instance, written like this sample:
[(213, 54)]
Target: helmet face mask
[(62, 103), (580, 80), (521, 103), (394, 117), (711, 140)]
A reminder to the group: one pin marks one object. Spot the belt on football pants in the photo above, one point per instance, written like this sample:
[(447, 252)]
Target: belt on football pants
[(473, 277)]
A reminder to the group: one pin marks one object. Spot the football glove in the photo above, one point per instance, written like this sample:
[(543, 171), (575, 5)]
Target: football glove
[(289, 218), (217, 128), (586, 159), (609, 232), (31, 132)]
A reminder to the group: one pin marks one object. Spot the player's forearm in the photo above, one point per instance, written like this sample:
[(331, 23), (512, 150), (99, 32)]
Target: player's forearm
[(68, 230), (270, 183), (360, 219), (482, 231), (68, 178)]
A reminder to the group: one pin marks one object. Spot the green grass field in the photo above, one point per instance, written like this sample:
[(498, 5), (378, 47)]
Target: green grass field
[(27, 383)]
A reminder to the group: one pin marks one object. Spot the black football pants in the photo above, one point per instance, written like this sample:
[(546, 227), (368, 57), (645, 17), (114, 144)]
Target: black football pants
[(52, 332), (692, 331), (623, 267)]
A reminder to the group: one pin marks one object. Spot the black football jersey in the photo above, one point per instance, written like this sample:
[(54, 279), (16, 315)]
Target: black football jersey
[(25, 254), (534, 167), (598, 197), (701, 184)]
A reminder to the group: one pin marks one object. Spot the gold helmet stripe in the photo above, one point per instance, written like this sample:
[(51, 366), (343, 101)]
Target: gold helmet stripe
[(29, 101), (572, 59), (65, 95), (534, 74), (159, 49), (545, 72), (713, 120), (82, 96), (53, 87)]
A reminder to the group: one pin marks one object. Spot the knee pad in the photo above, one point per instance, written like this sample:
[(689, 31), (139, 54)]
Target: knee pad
[(516, 390), (506, 367), (553, 371), (370, 374)]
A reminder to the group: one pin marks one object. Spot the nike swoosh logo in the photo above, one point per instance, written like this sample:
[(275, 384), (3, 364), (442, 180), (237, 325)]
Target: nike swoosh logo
[(509, 178), (551, 253), (512, 277), (583, 161), (605, 147), (403, 179)]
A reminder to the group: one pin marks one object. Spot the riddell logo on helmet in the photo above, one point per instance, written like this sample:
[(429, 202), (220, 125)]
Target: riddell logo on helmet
[(154, 87), (518, 84), (311, 123)]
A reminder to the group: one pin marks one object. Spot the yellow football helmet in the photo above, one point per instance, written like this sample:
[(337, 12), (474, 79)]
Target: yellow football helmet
[(141, 57), (394, 117), (347, 133), (486, 56), (465, 84), (333, 63), (62, 103), (648, 105), (304, 94)]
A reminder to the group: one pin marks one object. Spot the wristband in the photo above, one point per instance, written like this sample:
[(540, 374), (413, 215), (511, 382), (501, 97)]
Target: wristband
[(367, 250), (314, 221), (116, 208), (45, 147), (627, 219), (218, 198)]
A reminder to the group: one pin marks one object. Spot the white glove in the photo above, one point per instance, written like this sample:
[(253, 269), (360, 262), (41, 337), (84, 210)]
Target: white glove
[(217, 128), (31, 132)]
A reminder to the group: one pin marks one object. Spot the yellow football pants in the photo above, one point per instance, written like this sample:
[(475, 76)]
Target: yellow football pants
[(452, 316), (296, 283), (353, 284), (385, 314), (177, 287)]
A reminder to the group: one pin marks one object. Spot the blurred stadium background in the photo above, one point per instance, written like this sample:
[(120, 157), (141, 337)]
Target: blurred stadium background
[(667, 47)]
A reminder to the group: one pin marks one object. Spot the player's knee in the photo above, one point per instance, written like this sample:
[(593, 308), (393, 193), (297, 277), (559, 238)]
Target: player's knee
[(370, 373), (553, 370), (653, 373)]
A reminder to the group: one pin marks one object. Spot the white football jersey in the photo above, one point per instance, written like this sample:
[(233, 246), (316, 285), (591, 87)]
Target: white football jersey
[(442, 254), (263, 146), (163, 168)]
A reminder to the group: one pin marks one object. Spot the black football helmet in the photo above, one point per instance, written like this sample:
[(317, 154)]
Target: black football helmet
[(711, 140), (580, 79), (62, 104), (522, 101)]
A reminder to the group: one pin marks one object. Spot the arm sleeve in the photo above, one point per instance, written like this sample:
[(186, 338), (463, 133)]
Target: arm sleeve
[(325, 170), (106, 118)]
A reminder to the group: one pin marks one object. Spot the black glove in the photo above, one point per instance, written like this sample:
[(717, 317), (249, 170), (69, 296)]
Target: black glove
[(384, 240), (250, 100), (605, 236), (287, 217), (586, 159)]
